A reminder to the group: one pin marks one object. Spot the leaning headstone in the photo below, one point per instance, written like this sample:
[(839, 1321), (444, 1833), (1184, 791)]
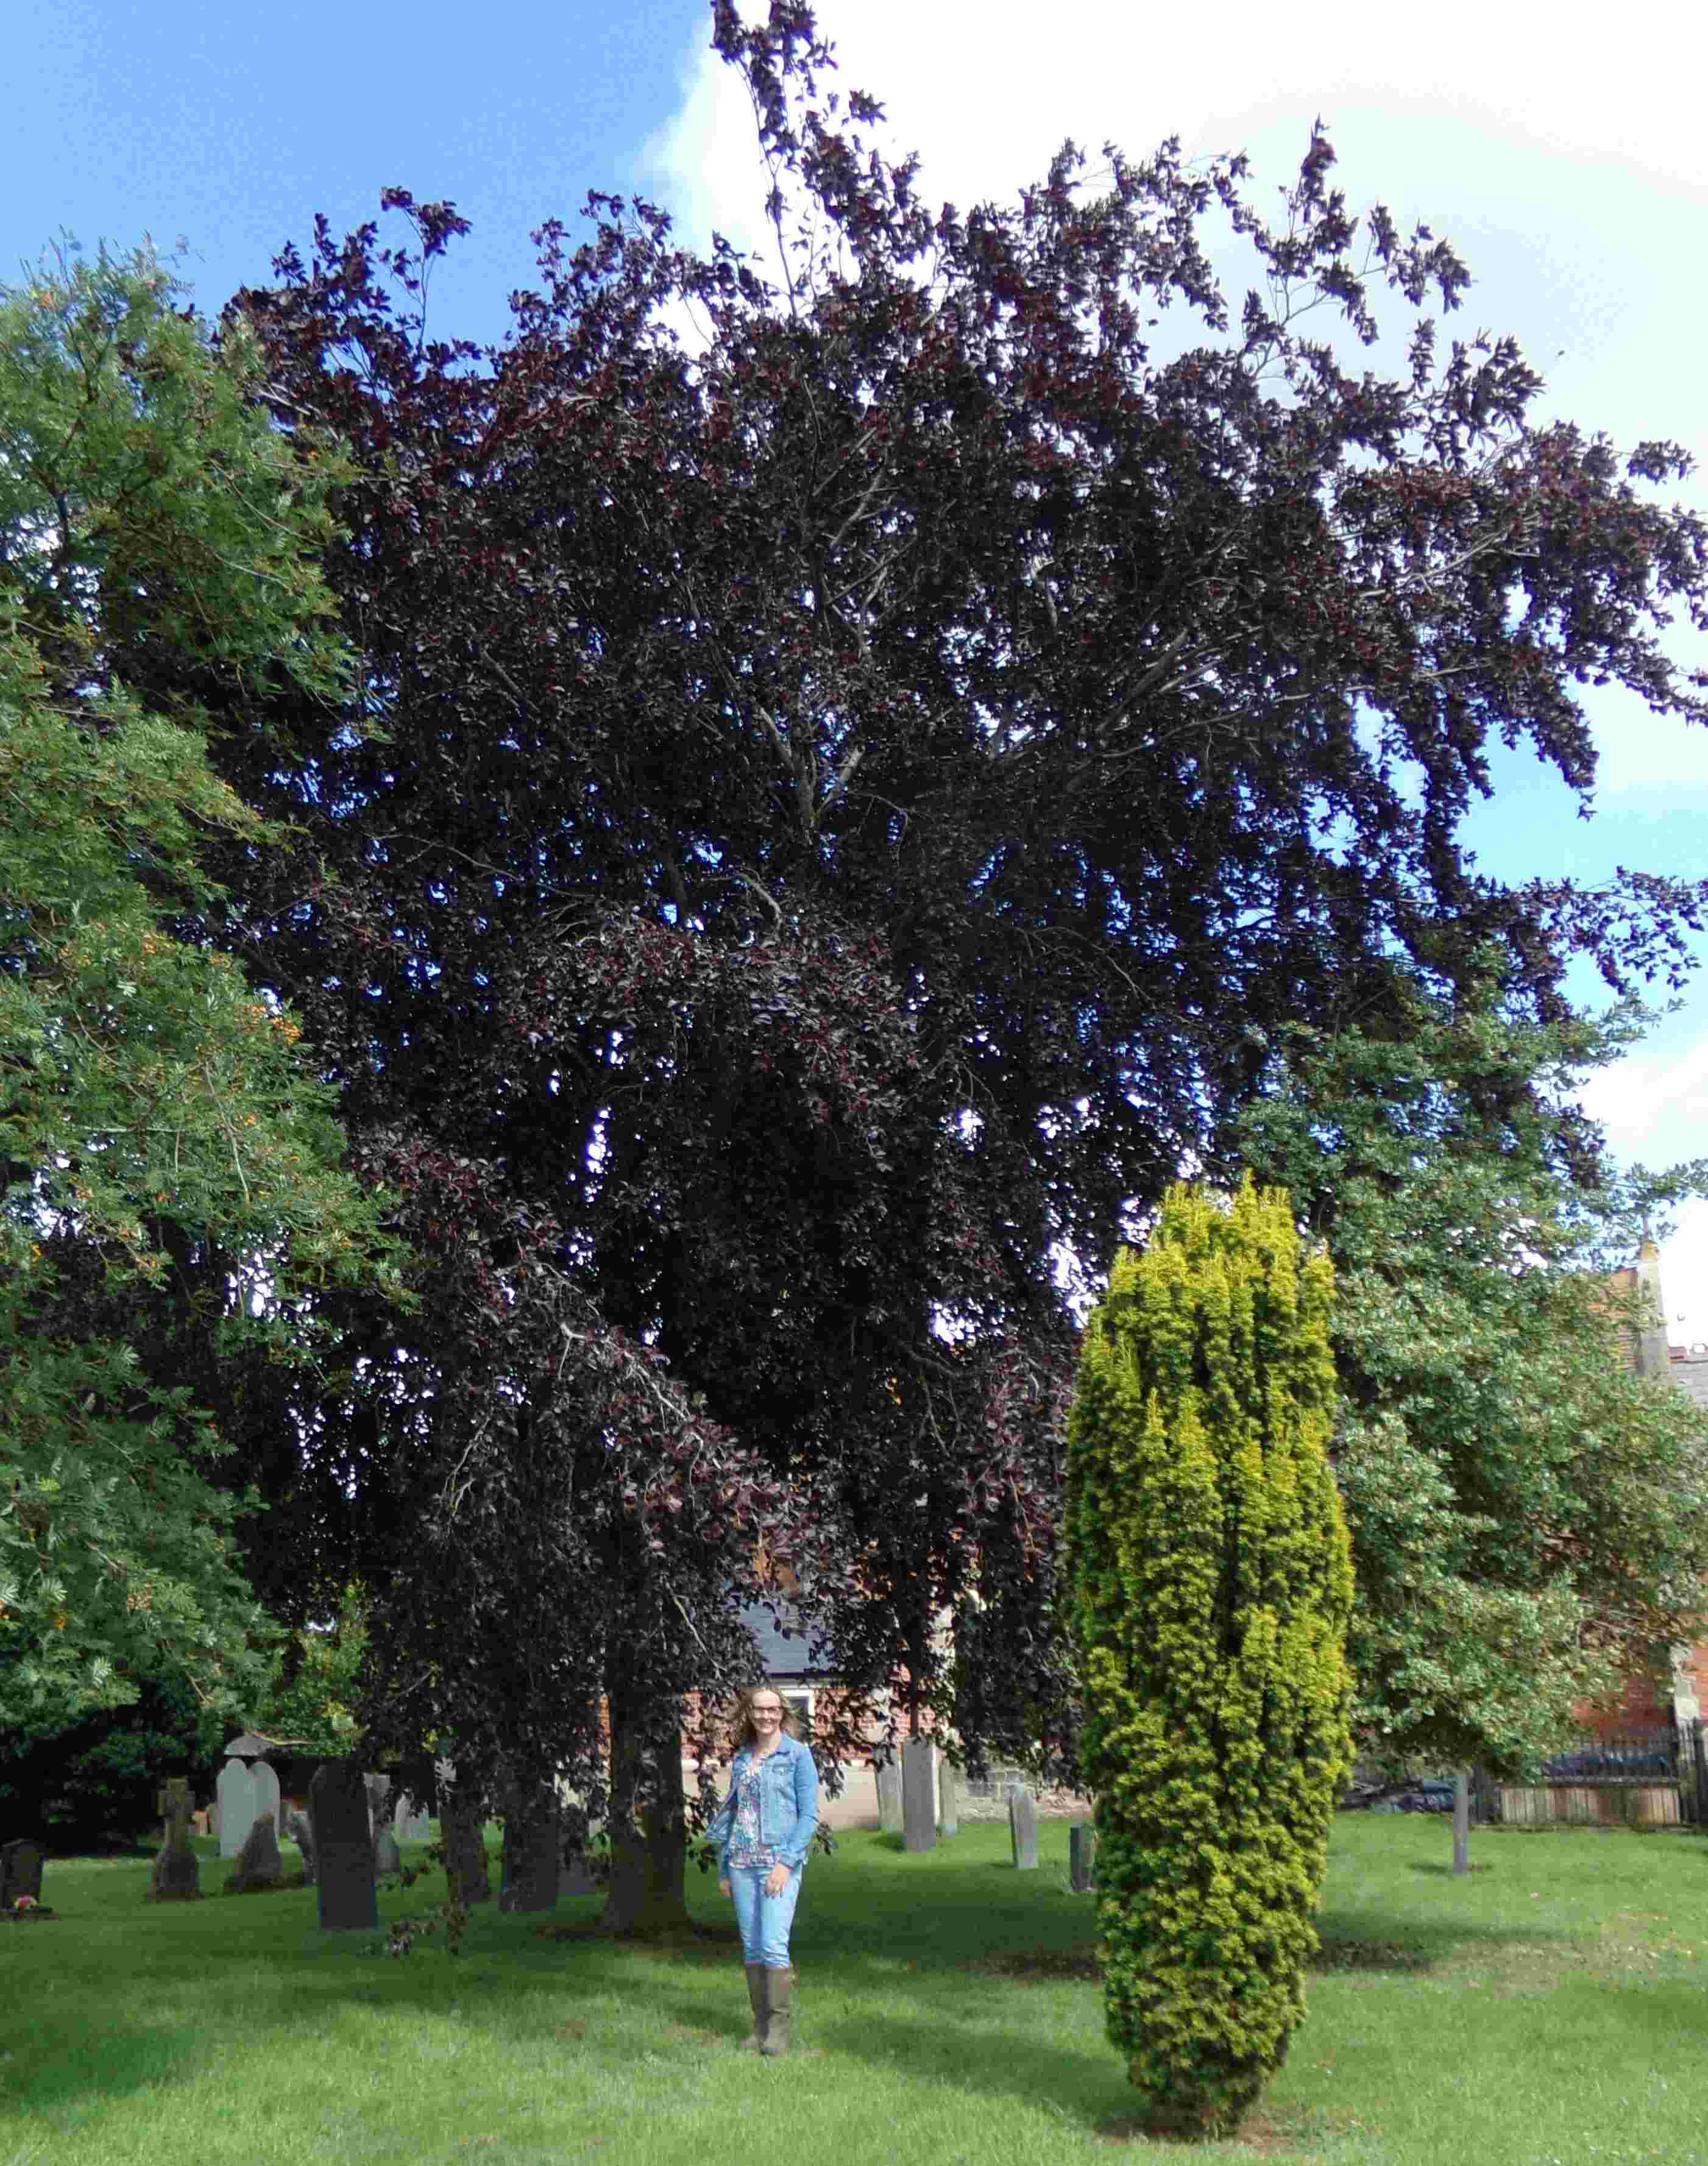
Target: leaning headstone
[(266, 1791), (918, 1803), (948, 1798), (409, 1822), (176, 1877), (342, 1848), (259, 1864), (529, 1880), (576, 1875), (298, 1829), (236, 1789), (1023, 1828), (1082, 1856), (463, 1828), (379, 1791), (20, 1872), (889, 1796)]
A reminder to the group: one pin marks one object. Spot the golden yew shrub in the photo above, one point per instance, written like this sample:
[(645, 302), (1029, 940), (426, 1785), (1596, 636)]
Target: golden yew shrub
[(1211, 1584)]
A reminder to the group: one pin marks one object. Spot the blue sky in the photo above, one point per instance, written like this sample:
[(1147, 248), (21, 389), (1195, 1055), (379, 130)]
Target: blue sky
[(1572, 175)]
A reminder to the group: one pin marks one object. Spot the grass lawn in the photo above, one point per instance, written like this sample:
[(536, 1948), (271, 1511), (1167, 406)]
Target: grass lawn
[(1550, 2011)]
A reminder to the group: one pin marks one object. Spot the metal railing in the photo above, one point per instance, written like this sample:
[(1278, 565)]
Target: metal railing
[(1634, 1778)]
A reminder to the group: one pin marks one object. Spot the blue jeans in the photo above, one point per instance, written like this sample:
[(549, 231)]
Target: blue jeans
[(764, 1919)]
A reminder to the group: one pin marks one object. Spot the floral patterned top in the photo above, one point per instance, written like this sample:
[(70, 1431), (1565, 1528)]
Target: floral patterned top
[(745, 1848)]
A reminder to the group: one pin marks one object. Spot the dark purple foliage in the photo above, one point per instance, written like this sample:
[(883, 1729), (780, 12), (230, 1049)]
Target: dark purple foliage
[(836, 818)]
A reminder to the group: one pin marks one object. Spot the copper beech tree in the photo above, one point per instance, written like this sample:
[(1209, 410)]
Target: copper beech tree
[(835, 816)]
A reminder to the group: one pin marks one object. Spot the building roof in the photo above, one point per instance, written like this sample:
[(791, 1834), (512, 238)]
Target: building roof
[(784, 1651)]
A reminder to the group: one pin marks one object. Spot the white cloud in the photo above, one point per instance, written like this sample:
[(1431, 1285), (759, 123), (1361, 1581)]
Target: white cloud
[(986, 93), (1653, 1107), (1685, 1277)]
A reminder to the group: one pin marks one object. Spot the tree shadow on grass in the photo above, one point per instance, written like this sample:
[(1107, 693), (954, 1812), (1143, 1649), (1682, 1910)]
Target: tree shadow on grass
[(911, 1950)]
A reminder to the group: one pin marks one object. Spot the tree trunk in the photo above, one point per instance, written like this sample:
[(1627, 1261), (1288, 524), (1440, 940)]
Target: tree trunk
[(462, 1828), (649, 1820), (919, 1639), (1462, 1819)]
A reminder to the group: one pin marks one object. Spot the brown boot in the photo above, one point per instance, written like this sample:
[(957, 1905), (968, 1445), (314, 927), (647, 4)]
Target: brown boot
[(776, 1993), (759, 2000)]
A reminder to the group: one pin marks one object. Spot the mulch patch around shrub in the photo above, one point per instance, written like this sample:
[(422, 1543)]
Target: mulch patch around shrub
[(1369, 1955), (1042, 1966)]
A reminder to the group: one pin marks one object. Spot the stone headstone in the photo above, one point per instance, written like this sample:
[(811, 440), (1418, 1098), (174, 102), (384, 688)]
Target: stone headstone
[(1023, 1828), (20, 1872), (177, 1876), (266, 1792), (344, 1866), (463, 1828), (386, 1857), (532, 1817), (379, 1792), (236, 1793), (409, 1820), (259, 1864), (576, 1875), (1082, 1856), (302, 1835), (888, 1773), (918, 1800), (948, 1798)]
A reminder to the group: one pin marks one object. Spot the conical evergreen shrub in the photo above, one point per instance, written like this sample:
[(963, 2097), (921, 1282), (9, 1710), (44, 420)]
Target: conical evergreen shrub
[(1211, 1584)]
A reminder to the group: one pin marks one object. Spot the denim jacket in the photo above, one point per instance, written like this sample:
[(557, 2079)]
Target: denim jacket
[(789, 1804)]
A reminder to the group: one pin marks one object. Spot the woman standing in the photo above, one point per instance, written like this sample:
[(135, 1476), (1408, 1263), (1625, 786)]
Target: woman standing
[(762, 1830)]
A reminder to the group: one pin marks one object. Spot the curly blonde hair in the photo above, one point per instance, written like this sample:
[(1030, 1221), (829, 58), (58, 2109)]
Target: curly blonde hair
[(746, 1734)]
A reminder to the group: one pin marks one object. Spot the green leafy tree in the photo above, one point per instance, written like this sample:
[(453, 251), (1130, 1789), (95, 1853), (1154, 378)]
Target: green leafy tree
[(311, 1697), (169, 1165), (1528, 1515), (1211, 1585), (92, 1781)]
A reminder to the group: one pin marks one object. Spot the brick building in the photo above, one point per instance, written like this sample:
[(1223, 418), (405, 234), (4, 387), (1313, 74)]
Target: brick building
[(1649, 1703)]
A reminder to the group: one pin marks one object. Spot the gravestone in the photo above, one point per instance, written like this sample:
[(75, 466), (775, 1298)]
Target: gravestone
[(236, 1791), (20, 1872), (386, 1857), (300, 1832), (948, 1798), (530, 1876), (1082, 1856), (344, 1881), (576, 1875), (463, 1828), (888, 1797), (1023, 1828), (259, 1864), (409, 1820), (918, 1804), (379, 1792), (176, 1877), (266, 1791)]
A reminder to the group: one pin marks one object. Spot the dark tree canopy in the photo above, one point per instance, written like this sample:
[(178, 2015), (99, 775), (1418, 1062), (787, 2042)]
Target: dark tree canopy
[(839, 814)]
